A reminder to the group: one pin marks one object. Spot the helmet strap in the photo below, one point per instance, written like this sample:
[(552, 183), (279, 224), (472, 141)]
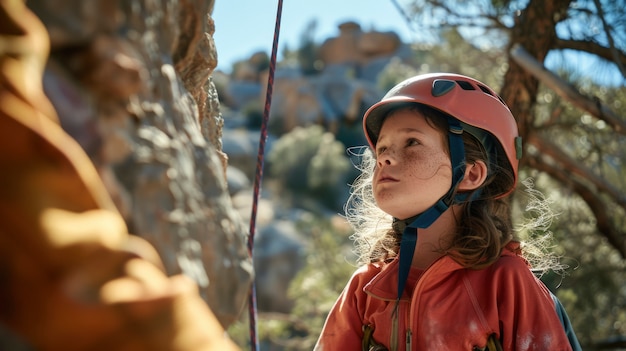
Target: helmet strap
[(428, 217)]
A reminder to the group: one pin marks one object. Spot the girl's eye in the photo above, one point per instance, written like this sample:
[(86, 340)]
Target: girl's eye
[(380, 150), (412, 142)]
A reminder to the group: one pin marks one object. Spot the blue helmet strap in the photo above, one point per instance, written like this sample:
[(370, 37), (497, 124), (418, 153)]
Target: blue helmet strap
[(425, 219)]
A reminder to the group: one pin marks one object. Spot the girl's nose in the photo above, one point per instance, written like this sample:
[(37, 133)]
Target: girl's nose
[(386, 158)]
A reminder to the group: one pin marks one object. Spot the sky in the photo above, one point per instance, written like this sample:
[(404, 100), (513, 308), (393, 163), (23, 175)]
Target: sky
[(243, 27)]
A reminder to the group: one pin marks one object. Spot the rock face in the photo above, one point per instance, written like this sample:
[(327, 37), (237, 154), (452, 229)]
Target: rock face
[(353, 45), (131, 82), (335, 96)]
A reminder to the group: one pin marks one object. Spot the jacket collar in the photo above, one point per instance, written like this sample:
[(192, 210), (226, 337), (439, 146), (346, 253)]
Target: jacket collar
[(384, 284)]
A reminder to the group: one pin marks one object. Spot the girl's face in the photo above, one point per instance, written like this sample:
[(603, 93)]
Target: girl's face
[(413, 169)]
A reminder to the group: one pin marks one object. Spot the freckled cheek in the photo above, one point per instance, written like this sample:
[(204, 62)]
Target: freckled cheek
[(427, 166)]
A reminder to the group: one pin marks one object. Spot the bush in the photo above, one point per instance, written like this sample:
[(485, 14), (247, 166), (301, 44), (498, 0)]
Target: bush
[(312, 163)]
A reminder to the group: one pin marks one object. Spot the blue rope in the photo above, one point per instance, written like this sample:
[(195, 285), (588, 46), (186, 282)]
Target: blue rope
[(252, 306)]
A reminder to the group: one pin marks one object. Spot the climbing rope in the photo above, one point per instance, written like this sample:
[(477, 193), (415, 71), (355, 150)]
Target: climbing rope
[(252, 308)]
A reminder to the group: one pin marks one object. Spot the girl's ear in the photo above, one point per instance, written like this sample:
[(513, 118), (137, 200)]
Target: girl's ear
[(475, 175)]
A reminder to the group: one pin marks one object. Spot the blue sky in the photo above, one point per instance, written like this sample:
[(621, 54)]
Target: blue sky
[(243, 27)]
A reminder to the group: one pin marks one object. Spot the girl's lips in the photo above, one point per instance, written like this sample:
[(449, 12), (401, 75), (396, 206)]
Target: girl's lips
[(383, 178)]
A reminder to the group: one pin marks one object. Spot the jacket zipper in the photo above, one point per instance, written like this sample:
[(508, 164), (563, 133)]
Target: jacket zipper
[(409, 337), (395, 318), (394, 334), (408, 333), (415, 304)]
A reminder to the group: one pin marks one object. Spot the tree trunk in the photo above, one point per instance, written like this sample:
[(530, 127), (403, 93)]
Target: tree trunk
[(535, 30)]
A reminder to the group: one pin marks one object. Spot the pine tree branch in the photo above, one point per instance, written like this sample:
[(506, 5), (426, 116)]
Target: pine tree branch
[(593, 105), (587, 185), (592, 48)]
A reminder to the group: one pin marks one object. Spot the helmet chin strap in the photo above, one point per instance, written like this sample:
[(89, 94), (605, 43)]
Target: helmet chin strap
[(428, 217)]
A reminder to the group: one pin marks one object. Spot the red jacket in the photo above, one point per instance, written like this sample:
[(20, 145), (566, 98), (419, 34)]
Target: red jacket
[(448, 307)]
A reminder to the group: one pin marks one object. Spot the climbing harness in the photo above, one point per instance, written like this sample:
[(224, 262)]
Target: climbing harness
[(252, 308), (369, 344)]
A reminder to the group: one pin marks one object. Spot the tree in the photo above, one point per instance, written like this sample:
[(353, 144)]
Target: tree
[(569, 121), (542, 28)]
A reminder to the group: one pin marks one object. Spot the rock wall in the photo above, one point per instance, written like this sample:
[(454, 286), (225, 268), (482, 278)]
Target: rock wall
[(131, 82)]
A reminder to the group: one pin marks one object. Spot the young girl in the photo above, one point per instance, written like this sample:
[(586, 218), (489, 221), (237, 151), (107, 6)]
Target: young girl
[(441, 268)]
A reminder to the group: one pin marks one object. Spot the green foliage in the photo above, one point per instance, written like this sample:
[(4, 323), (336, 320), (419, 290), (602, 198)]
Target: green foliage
[(395, 72), (253, 112), (317, 286), (307, 52), (310, 162), (590, 283), (592, 289), (314, 289)]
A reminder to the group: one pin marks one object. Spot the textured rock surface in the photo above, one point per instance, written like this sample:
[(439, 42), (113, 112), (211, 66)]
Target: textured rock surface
[(131, 81), (335, 95)]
